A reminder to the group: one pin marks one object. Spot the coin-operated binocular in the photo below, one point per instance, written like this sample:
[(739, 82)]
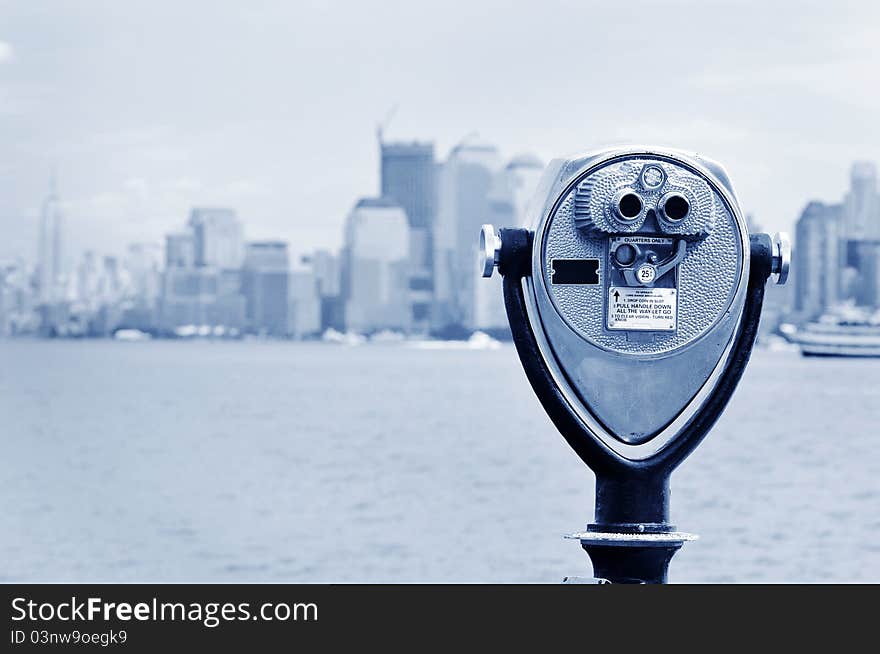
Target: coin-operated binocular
[(634, 304)]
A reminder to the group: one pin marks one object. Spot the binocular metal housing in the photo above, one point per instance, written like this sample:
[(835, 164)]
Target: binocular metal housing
[(634, 303)]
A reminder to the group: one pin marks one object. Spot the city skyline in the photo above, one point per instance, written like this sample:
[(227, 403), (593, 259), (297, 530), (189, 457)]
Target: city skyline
[(52, 218), (405, 262), (53, 201), (837, 253), (154, 108), (54, 196)]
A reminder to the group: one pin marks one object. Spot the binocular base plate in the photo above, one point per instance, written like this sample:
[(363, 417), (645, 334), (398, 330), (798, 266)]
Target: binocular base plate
[(633, 539)]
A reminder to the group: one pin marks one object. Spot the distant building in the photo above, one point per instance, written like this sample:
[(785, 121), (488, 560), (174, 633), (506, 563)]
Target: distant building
[(88, 281), (142, 266), (180, 250), (230, 303), (101, 298), (202, 285), (304, 307), (194, 294), (140, 309), (816, 264), (202, 297), (218, 238), (516, 184), (16, 299), (409, 179), (7, 299), (188, 296), (109, 281), (861, 210), (327, 268), (49, 256), (464, 185), (376, 267), (266, 281), (860, 236), (512, 189), (865, 273)]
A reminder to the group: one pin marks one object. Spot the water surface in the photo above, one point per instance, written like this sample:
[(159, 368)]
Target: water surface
[(231, 461)]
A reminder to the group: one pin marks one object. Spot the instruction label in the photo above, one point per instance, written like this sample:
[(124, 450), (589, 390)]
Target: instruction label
[(645, 309)]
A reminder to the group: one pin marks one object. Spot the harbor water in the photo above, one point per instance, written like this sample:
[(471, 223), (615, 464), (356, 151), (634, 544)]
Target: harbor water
[(308, 462)]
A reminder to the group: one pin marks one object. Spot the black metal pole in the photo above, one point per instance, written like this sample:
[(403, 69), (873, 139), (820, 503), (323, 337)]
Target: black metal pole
[(642, 563), (622, 501), (631, 540)]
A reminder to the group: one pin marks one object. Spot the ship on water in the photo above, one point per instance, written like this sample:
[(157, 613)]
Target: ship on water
[(845, 332)]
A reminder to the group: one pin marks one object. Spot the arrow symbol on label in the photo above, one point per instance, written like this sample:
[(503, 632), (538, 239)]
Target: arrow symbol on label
[(616, 296)]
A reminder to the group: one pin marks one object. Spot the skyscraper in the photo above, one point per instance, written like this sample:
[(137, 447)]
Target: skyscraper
[(304, 312), (218, 238), (180, 250), (49, 255), (201, 286), (860, 235), (188, 298), (464, 185), (512, 189), (110, 283), (516, 184), (376, 263), (325, 265), (867, 282), (817, 262), (265, 283), (861, 213), (327, 268), (142, 265), (408, 178), (87, 281)]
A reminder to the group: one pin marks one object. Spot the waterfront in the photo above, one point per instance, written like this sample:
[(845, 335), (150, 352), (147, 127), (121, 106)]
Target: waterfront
[(281, 461)]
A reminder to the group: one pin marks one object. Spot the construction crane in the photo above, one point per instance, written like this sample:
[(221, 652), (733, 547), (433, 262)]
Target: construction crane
[(383, 125)]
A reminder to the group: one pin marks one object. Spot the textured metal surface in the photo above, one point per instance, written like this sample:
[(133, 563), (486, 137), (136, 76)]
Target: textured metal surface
[(708, 276), (592, 206), (631, 409), (632, 539)]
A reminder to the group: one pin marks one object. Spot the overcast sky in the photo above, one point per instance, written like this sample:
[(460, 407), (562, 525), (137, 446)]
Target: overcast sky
[(148, 108)]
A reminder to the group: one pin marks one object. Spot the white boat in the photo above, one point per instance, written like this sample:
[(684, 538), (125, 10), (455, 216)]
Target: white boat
[(186, 331), (131, 335), (477, 341), (842, 334), (348, 338)]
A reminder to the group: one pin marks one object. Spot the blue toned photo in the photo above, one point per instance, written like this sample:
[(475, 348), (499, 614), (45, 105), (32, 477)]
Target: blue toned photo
[(439, 292)]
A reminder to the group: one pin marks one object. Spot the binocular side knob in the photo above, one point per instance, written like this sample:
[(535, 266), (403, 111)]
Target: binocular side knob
[(490, 250), (781, 257)]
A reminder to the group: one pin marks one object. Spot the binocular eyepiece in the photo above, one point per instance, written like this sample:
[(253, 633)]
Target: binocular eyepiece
[(634, 303), (629, 206)]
